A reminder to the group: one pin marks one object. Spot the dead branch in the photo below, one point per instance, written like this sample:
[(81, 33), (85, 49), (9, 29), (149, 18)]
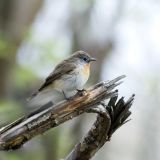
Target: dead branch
[(110, 118), (49, 116)]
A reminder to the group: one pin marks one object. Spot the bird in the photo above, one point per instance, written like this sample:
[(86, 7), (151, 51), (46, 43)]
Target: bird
[(68, 78)]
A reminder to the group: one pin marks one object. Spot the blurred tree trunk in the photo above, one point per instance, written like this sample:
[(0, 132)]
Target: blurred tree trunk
[(80, 22), (15, 18), (95, 49)]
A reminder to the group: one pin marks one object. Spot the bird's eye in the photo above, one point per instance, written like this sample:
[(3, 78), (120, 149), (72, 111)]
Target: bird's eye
[(85, 59)]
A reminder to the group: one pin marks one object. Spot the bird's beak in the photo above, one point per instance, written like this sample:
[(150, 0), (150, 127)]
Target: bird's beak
[(93, 59)]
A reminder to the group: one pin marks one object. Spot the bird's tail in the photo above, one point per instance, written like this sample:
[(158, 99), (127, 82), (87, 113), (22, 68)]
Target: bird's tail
[(32, 96), (43, 97)]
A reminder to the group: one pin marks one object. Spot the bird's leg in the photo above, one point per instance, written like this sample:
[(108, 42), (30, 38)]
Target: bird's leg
[(65, 95), (81, 92)]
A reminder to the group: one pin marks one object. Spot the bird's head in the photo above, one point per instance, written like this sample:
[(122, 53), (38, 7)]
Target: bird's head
[(83, 57)]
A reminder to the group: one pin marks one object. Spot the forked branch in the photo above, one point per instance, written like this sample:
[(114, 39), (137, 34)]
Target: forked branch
[(110, 117)]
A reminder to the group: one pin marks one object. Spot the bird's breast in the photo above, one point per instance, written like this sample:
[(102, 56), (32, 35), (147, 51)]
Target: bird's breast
[(86, 70), (82, 76)]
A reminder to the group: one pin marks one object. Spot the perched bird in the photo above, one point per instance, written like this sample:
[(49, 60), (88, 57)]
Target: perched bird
[(67, 78)]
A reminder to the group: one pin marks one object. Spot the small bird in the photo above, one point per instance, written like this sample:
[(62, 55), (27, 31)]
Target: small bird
[(66, 79)]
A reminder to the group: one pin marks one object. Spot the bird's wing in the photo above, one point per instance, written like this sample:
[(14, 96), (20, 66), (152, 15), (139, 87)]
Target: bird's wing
[(66, 67)]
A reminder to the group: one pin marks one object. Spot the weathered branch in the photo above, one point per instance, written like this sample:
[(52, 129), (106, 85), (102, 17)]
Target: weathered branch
[(50, 115), (110, 118)]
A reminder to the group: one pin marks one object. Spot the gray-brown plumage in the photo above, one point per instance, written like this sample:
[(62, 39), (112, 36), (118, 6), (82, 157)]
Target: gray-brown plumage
[(69, 75)]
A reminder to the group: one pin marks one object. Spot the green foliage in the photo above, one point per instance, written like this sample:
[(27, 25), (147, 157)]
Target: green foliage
[(9, 110), (64, 146), (23, 76), (11, 156), (6, 47)]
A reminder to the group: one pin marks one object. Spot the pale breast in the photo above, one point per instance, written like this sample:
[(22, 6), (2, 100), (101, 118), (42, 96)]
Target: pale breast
[(75, 80), (82, 76)]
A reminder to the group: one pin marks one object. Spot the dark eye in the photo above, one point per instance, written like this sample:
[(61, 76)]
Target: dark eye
[(85, 59)]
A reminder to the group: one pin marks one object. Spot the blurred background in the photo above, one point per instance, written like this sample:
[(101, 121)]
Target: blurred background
[(125, 38)]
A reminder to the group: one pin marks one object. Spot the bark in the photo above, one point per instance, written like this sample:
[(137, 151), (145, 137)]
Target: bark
[(110, 117), (25, 128)]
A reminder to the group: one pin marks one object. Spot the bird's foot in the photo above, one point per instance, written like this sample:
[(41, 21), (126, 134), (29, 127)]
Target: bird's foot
[(81, 92)]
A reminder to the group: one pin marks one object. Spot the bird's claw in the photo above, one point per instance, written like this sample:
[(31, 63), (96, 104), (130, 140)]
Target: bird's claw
[(81, 92)]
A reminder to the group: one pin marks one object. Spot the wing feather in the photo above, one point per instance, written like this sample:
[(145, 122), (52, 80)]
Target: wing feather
[(66, 67)]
